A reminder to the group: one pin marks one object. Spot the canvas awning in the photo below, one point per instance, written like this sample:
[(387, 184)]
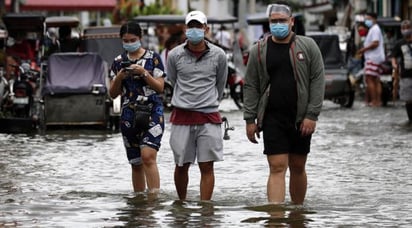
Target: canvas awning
[(65, 5)]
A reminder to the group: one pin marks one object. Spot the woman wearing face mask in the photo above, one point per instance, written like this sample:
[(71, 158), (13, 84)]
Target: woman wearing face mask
[(198, 71), (283, 96), (138, 76), (401, 57)]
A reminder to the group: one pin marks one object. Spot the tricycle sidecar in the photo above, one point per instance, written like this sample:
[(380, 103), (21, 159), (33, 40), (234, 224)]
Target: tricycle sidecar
[(75, 90), (20, 79)]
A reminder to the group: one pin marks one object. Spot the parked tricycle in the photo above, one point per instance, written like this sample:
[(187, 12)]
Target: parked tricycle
[(75, 91), (20, 77)]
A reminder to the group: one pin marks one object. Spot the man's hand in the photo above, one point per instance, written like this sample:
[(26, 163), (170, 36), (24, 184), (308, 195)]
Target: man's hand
[(251, 131), (307, 127)]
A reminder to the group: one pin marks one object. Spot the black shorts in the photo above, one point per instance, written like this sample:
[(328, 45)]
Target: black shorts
[(283, 136)]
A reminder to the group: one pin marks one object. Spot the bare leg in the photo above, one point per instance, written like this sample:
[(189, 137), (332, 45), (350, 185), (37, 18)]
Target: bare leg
[(207, 180), (181, 177), (138, 178), (298, 180), (278, 165), (150, 168), (378, 90), (371, 89)]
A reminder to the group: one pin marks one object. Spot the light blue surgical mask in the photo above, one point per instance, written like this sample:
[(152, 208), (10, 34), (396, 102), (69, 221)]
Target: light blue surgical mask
[(132, 47), (368, 23), (279, 30), (195, 35)]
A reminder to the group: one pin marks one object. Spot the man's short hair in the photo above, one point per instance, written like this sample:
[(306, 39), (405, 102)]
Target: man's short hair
[(372, 15)]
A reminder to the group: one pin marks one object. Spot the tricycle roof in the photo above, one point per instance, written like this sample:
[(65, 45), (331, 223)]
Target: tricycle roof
[(102, 32), (180, 19), (57, 21), (260, 18), (29, 22)]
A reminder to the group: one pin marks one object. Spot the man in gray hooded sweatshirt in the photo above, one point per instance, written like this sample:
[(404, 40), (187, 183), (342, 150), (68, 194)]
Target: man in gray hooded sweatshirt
[(198, 71)]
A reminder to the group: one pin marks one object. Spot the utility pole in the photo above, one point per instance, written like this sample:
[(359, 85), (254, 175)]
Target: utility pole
[(15, 6), (2, 8)]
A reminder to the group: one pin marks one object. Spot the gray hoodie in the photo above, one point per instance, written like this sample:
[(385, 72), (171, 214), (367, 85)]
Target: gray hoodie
[(198, 83)]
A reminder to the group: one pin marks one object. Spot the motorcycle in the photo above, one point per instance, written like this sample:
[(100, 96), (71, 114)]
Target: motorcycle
[(357, 80), (18, 96), (235, 82)]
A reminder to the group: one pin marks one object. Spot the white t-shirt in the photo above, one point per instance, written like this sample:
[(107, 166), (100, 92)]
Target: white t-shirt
[(224, 38), (376, 55)]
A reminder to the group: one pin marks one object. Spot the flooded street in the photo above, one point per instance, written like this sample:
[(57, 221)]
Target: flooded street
[(359, 174)]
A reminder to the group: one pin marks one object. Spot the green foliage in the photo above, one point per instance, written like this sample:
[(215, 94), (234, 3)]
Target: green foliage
[(154, 8)]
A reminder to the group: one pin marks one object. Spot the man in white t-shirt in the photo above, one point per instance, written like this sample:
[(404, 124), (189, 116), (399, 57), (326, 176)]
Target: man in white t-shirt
[(224, 38), (374, 53)]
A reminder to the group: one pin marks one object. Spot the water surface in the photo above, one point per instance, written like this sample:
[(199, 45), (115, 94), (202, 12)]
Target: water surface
[(358, 173)]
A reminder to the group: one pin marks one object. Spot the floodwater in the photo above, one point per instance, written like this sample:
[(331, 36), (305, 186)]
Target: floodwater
[(359, 174)]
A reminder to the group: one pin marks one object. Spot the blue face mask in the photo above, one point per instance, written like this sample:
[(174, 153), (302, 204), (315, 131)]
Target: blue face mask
[(368, 23), (279, 30), (132, 47), (195, 35)]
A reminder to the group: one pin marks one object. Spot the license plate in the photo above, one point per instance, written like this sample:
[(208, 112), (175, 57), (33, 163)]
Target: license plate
[(21, 100)]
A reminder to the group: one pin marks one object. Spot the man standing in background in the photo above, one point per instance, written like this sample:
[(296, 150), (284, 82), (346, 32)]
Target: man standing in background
[(374, 53)]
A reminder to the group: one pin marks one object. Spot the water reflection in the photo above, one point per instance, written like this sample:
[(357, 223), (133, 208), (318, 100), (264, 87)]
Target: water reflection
[(140, 210), (192, 213), (150, 211), (280, 216)]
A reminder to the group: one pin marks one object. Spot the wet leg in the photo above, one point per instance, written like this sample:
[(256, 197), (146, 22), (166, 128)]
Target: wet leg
[(278, 165), (371, 89), (298, 180), (378, 90), (138, 178), (150, 169), (181, 177), (207, 180)]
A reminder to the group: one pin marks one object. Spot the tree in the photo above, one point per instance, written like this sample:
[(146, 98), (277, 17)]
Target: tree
[(128, 9)]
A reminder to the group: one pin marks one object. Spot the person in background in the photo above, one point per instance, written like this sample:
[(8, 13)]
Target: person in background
[(283, 96), (354, 58), (401, 58), (197, 70), (138, 76), (389, 41), (224, 38), (21, 47), (67, 43), (175, 38), (374, 55)]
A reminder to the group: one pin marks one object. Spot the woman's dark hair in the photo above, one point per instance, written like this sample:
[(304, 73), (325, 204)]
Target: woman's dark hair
[(131, 27)]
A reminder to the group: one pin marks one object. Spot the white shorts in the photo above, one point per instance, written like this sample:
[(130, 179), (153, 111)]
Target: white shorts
[(405, 91), (202, 142)]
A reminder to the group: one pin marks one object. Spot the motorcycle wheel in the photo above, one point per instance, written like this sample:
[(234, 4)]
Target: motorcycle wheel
[(348, 99), (236, 93), (167, 96), (386, 93)]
